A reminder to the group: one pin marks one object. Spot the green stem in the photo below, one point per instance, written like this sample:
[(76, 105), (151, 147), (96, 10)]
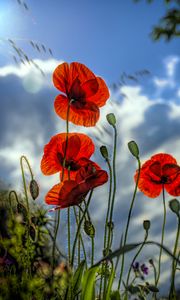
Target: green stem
[(80, 239), (128, 221), (69, 234), (79, 227), (64, 162), (109, 217), (172, 288), (109, 203), (17, 200), (162, 238), (135, 257), (114, 192)]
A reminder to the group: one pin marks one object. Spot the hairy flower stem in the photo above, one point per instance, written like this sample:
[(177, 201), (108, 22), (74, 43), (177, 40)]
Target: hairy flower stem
[(162, 238), (24, 158), (79, 227), (128, 221), (110, 232), (10, 202), (77, 218), (172, 292), (135, 257), (107, 218), (109, 221), (62, 176), (69, 234)]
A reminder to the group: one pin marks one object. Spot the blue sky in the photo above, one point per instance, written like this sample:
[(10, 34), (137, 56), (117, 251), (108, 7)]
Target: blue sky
[(110, 37)]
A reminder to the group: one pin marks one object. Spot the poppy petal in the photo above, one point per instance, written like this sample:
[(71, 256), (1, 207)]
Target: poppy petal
[(87, 116), (61, 77), (49, 163), (147, 186), (174, 188), (52, 197), (81, 71), (73, 146), (163, 158), (102, 94), (61, 105)]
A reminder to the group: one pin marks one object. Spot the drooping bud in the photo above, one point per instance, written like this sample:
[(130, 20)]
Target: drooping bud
[(104, 152), (146, 224), (133, 148), (34, 189), (89, 228), (111, 119), (21, 209), (174, 206)]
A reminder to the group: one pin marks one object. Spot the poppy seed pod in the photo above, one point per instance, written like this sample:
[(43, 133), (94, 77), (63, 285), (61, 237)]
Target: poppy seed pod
[(34, 189), (111, 119)]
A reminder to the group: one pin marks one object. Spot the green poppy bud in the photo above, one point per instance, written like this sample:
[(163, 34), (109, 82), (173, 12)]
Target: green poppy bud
[(104, 152), (133, 148), (146, 224), (34, 189), (111, 119), (174, 206)]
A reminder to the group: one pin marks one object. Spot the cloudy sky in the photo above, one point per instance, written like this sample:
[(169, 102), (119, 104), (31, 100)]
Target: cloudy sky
[(112, 39)]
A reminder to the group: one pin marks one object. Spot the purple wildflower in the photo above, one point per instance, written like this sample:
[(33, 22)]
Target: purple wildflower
[(144, 269)]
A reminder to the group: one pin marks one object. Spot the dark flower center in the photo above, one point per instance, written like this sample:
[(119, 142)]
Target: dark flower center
[(164, 179), (69, 164)]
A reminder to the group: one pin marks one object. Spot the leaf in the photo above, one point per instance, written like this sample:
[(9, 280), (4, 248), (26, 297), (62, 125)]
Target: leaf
[(88, 283), (130, 247), (77, 278), (110, 283)]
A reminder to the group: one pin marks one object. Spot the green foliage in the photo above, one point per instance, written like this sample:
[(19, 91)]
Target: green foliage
[(169, 24)]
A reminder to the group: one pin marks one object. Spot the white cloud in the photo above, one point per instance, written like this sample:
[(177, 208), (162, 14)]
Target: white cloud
[(32, 79), (170, 64)]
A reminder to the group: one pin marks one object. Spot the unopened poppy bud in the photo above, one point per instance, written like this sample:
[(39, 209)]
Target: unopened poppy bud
[(104, 152), (133, 148), (34, 189), (111, 119), (174, 206), (89, 228), (151, 261), (146, 224)]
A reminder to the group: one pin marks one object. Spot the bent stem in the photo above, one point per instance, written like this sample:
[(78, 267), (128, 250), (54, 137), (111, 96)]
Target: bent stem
[(128, 221), (24, 158), (162, 238), (79, 227)]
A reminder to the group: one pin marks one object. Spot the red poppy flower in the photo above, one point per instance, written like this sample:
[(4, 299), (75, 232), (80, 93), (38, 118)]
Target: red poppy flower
[(79, 149), (158, 172), (80, 88), (72, 192)]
